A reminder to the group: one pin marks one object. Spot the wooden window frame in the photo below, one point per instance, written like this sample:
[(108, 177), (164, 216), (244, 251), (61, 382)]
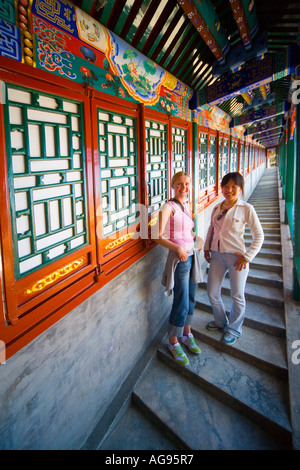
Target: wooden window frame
[(207, 195), (119, 251), (22, 318), (37, 300)]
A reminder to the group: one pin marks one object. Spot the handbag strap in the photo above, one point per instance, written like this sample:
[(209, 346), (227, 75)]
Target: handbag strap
[(181, 206)]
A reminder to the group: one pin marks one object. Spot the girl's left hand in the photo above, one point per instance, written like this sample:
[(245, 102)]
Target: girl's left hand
[(200, 242), (241, 262)]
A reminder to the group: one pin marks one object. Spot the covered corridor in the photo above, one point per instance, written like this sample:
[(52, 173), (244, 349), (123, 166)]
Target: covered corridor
[(230, 397), (101, 102)]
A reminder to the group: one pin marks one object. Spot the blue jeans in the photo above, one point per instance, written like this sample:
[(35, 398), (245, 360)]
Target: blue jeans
[(184, 298), (220, 263)]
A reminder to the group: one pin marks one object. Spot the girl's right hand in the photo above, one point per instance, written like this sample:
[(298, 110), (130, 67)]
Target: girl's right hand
[(207, 255), (182, 253)]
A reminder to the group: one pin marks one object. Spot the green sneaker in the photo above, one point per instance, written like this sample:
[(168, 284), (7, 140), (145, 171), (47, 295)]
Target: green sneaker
[(178, 354), (189, 341)]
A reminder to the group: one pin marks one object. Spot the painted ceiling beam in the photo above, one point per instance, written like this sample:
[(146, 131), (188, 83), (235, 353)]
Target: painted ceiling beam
[(260, 72), (270, 140), (268, 134), (203, 16), (258, 129), (238, 55), (244, 13), (261, 114)]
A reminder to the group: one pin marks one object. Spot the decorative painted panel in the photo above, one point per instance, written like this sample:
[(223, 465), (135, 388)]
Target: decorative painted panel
[(156, 161), (7, 10), (202, 160), (62, 39), (179, 149), (46, 170), (212, 159), (118, 170), (10, 45)]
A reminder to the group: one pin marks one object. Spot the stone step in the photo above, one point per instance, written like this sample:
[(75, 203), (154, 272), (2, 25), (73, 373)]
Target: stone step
[(269, 219), (274, 253), (263, 277), (265, 225), (267, 230), (196, 419), (266, 244), (260, 316), (130, 432), (260, 262), (259, 293), (262, 201), (255, 347), (267, 237), (264, 205), (265, 216), (257, 394)]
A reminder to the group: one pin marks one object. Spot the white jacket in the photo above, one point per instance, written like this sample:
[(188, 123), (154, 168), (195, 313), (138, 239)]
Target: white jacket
[(231, 235)]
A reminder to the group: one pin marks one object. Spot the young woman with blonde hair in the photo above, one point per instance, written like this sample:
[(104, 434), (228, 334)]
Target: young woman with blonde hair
[(182, 271)]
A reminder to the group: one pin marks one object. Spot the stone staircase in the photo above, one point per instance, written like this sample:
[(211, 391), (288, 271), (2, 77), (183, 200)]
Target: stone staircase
[(229, 397)]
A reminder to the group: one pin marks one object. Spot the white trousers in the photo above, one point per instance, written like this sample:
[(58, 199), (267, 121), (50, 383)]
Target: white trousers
[(220, 263)]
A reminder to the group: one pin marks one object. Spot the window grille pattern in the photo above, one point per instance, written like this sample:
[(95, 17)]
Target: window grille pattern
[(179, 148), (225, 157), (46, 171), (220, 158), (202, 160), (241, 156), (233, 156), (212, 159), (246, 162), (156, 161), (117, 146), (251, 157)]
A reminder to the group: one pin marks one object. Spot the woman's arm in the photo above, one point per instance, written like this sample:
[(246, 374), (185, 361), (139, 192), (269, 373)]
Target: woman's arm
[(199, 240), (207, 243), (257, 235), (164, 215)]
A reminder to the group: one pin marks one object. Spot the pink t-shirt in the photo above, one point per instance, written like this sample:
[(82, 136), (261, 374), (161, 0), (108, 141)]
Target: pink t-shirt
[(179, 227)]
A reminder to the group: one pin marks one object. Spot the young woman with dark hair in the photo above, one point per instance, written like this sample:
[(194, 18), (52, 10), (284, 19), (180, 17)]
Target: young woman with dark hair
[(225, 250)]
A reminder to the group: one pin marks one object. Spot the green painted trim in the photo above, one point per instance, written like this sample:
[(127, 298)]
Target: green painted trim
[(296, 290), (289, 207), (195, 174)]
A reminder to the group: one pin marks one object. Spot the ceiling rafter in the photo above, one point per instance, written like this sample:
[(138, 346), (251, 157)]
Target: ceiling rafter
[(130, 18), (145, 22), (157, 28), (167, 34), (115, 14)]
